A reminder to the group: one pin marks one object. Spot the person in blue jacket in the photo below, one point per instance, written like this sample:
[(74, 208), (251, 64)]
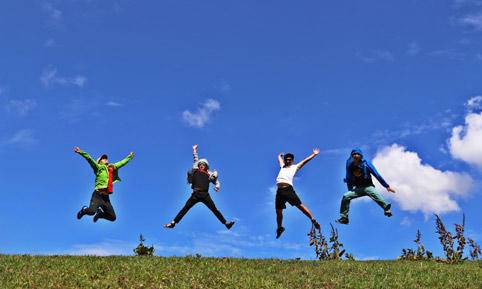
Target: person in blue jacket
[(359, 182)]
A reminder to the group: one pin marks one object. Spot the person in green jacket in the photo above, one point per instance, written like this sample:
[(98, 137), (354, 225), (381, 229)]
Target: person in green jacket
[(106, 175)]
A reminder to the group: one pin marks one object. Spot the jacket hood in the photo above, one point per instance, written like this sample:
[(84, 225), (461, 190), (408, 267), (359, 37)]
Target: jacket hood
[(358, 151), (204, 161)]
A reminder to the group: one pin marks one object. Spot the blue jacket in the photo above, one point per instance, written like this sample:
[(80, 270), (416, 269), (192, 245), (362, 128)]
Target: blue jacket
[(366, 168)]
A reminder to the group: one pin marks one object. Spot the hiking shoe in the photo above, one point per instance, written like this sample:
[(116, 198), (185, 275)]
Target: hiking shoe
[(81, 213), (279, 231), (315, 223), (229, 224), (343, 221), (387, 212), (172, 224)]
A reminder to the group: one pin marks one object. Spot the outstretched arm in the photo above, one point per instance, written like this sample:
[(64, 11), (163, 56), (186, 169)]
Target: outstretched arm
[(86, 156), (309, 158), (280, 160), (195, 155), (213, 177), (123, 162), (379, 177)]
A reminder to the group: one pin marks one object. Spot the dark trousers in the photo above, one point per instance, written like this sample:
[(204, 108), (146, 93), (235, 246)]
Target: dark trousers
[(204, 198), (100, 200)]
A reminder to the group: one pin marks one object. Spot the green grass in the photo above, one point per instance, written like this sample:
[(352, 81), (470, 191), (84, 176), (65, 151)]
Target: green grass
[(192, 272)]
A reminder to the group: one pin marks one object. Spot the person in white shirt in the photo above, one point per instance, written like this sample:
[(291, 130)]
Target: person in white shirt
[(286, 193)]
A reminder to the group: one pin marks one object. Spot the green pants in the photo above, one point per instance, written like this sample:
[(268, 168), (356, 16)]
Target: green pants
[(360, 192)]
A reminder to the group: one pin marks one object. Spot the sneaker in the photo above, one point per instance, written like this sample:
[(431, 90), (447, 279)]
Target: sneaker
[(229, 224), (279, 231), (171, 225), (97, 215), (387, 212), (342, 220), (81, 213), (315, 223)]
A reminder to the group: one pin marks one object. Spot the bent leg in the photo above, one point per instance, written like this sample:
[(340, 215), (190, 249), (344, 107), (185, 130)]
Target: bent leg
[(108, 212), (376, 196), (345, 202), (189, 204), (305, 211), (210, 204), (95, 202)]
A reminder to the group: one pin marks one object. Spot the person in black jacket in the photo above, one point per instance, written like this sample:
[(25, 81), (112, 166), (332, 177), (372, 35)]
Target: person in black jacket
[(200, 177)]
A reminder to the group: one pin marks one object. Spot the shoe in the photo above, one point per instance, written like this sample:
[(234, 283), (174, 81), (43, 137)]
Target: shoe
[(97, 215), (81, 213), (342, 220), (279, 231), (229, 224), (315, 223), (171, 225), (387, 212)]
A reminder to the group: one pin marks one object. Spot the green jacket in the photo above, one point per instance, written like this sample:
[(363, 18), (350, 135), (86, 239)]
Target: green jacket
[(101, 171)]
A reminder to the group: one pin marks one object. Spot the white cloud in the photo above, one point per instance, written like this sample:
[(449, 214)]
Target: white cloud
[(105, 248), (114, 104), (450, 54), (54, 14), (22, 138), (466, 141), (50, 43), (474, 103), (420, 187), (203, 114), (21, 107), (413, 49), (49, 78)]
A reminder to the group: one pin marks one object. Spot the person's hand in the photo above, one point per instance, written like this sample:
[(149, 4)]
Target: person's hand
[(216, 189), (281, 155), (316, 151), (76, 149), (389, 189), (194, 147), (131, 154)]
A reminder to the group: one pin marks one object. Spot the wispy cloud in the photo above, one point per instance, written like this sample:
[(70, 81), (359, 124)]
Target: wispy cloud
[(49, 77), (104, 248), (21, 107), (202, 116), (473, 21), (53, 13), (22, 138), (419, 186), (113, 104), (413, 49), (450, 54), (376, 56), (50, 43)]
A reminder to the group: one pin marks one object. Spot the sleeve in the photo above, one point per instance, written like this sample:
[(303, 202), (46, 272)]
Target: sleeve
[(195, 160), (213, 177), (376, 174), (123, 162), (90, 160), (348, 178)]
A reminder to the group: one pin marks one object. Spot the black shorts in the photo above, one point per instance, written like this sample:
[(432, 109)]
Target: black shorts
[(284, 195)]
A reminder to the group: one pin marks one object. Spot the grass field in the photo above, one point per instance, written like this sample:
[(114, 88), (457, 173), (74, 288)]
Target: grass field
[(193, 272)]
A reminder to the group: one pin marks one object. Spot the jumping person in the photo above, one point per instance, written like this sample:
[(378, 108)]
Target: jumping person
[(286, 193), (199, 177), (106, 175), (359, 182)]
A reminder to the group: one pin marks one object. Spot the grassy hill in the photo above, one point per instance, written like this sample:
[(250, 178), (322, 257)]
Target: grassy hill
[(196, 272)]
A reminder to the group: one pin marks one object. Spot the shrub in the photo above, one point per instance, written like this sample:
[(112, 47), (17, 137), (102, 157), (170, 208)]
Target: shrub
[(142, 250), (322, 250)]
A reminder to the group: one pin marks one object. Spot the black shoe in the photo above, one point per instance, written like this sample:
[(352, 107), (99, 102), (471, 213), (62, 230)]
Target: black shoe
[(315, 223), (342, 220), (229, 224), (81, 213), (387, 212), (279, 231), (97, 215)]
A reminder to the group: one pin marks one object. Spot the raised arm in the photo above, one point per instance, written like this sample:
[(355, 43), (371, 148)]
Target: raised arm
[(123, 162), (309, 158), (280, 160), (195, 155), (86, 156)]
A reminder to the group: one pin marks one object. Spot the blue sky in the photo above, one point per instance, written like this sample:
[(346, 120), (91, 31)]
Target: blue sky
[(245, 80)]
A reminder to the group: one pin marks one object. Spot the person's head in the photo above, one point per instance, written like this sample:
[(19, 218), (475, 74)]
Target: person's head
[(203, 165), (357, 154), (104, 159), (288, 159)]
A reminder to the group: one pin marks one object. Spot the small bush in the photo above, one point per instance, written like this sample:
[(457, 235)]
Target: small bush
[(325, 252), (142, 250), (419, 254)]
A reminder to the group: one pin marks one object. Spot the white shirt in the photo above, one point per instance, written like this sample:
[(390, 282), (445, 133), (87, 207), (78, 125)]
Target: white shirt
[(287, 174)]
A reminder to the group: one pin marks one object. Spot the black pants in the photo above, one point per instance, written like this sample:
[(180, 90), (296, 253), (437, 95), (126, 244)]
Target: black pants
[(102, 201), (204, 198)]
